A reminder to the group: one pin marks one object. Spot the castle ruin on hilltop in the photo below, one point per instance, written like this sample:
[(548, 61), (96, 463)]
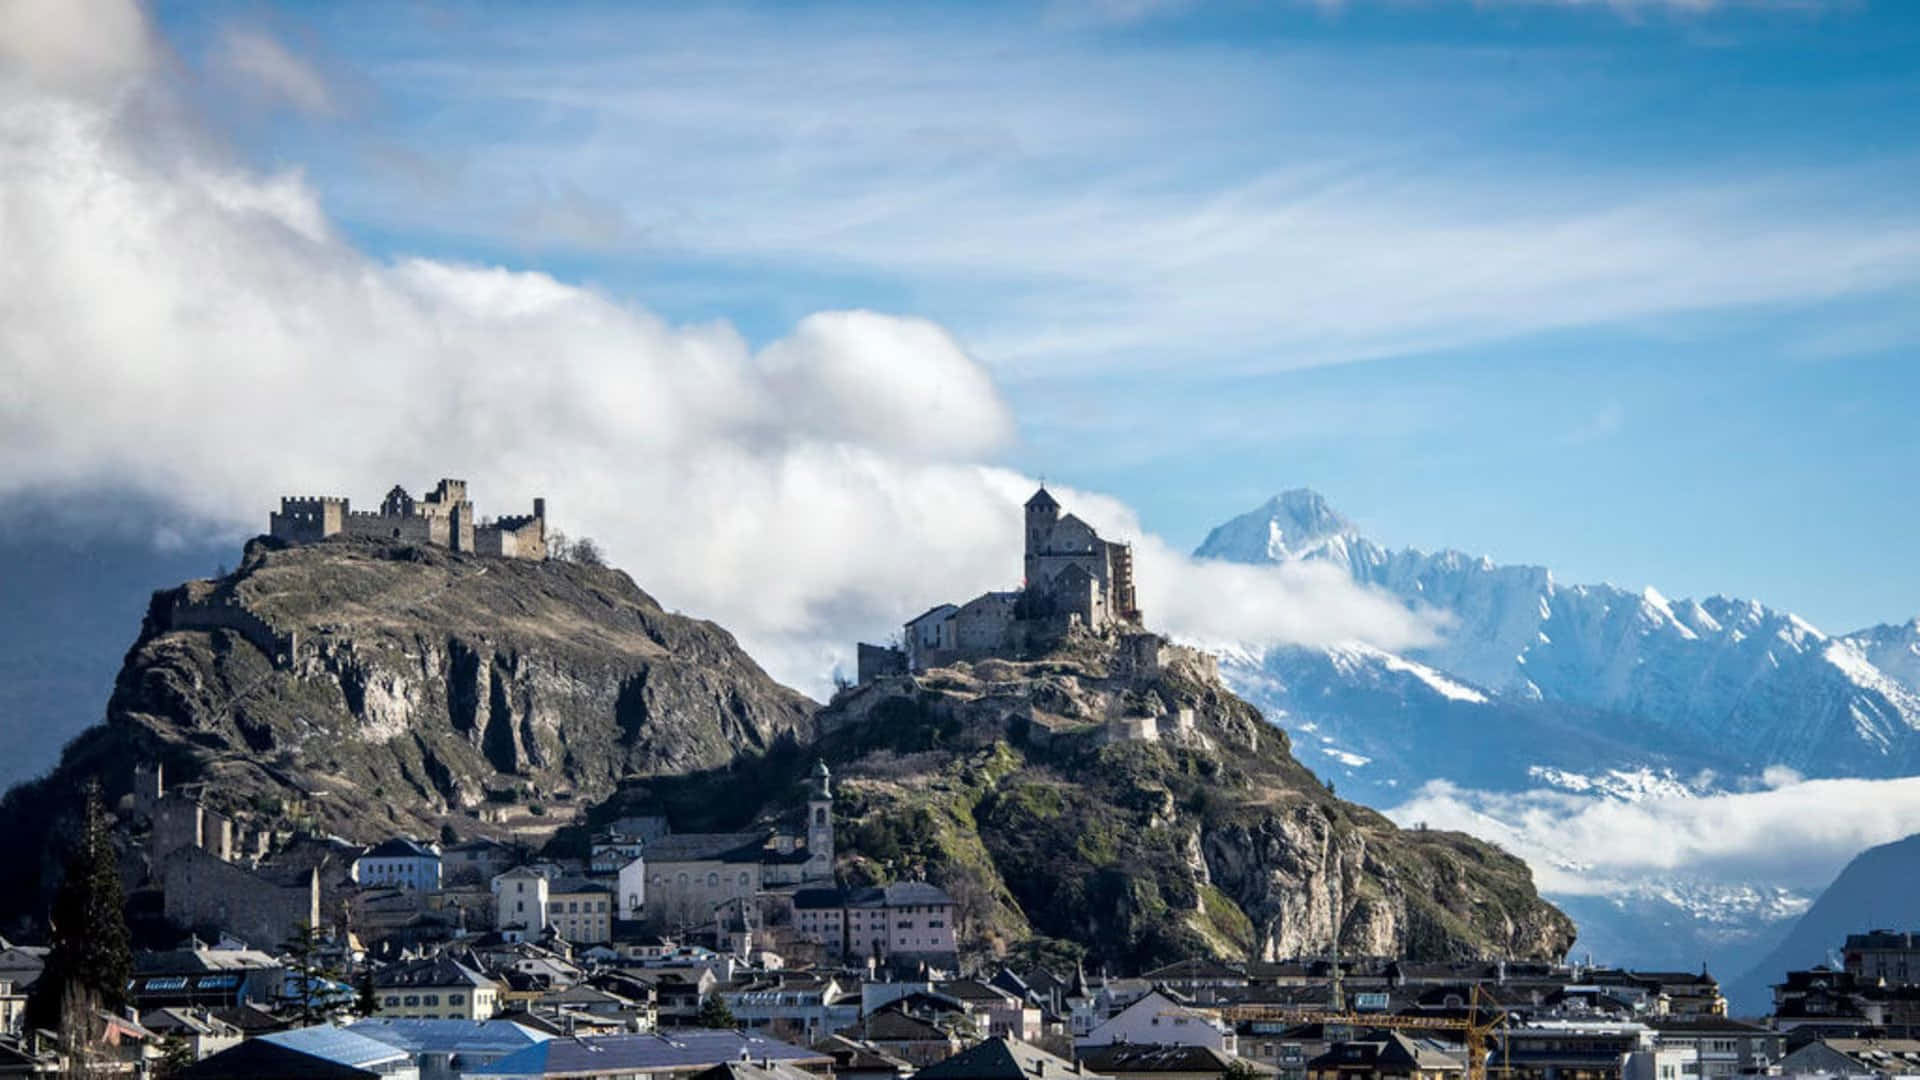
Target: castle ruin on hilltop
[(444, 517), (1074, 580)]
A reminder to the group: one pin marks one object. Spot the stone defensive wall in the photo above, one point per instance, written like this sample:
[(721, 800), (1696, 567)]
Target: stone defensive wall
[(228, 613)]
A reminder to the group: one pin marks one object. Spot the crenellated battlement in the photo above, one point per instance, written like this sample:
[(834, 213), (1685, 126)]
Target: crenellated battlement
[(444, 516)]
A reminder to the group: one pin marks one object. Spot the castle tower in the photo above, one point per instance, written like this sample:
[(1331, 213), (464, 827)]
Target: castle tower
[(1042, 514), (820, 824)]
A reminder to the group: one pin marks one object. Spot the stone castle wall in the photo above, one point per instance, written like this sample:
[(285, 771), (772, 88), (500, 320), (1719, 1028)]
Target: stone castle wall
[(229, 613), (201, 890), (444, 517), (521, 537), (414, 529)]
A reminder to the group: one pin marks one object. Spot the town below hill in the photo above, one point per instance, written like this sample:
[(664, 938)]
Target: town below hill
[(716, 1006)]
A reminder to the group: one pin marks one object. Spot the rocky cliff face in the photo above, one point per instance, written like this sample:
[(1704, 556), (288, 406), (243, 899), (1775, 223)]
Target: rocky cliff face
[(365, 689), (1144, 810)]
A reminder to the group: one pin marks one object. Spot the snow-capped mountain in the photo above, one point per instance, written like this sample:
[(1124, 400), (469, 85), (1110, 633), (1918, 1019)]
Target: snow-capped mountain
[(1593, 693), (1709, 684)]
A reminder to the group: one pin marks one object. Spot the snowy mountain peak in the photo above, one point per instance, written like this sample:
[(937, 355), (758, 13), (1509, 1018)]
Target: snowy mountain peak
[(1726, 677), (1291, 525)]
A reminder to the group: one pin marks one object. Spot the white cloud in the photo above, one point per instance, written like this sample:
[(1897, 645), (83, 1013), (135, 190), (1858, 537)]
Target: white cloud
[(177, 329), (78, 47), (254, 57), (1088, 208), (1794, 832)]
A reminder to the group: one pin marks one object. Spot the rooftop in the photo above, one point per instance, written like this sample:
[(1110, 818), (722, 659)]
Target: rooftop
[(400, 847), (681, 1049), (448, 1036), (1003, 1058), (706, 847)]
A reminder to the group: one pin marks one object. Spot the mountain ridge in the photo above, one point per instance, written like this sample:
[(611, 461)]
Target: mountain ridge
[(1873, 890), (1588, 691), (1696, 667)]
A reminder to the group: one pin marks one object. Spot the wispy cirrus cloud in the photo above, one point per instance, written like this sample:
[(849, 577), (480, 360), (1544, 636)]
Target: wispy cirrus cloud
[(256, 59), (1070, 208)]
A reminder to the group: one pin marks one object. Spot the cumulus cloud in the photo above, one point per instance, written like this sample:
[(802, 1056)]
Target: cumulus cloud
[(177, 329), (1796, 832), (75, 47)]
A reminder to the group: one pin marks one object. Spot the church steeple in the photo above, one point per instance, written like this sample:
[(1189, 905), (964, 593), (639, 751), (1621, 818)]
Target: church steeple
[(820, 824)]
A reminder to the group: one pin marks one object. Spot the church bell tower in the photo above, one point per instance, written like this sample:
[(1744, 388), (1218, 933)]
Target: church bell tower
[(820, 824)]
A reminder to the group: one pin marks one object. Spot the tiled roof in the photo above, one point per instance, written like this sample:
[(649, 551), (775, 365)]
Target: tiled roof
[(645, 1053), (706, 847), (1141, 1058), (338, 1045), (433, 971), (400, 847), (1002, 1058), (898, 894), (448, 1036), (892, 1025)]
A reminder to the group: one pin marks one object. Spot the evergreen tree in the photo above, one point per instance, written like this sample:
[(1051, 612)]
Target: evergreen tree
[(176, 1055), (91, 957), (714, 1013), (304, 963), (366, 1000)]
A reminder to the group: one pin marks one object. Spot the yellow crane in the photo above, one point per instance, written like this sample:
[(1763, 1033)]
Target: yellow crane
[(1475, 1029)]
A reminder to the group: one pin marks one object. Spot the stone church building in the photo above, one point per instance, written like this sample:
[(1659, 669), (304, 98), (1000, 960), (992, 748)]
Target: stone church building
[(689, 879), (1072, 579)]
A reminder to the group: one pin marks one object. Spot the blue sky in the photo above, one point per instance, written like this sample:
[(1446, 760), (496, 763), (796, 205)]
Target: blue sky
[(1625, 288)]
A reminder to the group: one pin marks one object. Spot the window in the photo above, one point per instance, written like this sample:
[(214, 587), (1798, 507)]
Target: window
[(712, 879), (430, 999), (819, 815), (456, 999), (413, 999), (392, 1000), (573, 907)]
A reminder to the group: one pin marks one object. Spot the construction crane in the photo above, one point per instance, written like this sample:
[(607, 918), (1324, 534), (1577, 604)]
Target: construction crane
[(1475, 1029)]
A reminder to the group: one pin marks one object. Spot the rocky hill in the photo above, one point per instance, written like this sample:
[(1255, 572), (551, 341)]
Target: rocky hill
[(365, 689), (1137, 808), (1113, 794)]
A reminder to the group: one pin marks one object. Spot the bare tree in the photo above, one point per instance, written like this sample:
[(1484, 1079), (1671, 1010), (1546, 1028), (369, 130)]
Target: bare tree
[(586, 551)]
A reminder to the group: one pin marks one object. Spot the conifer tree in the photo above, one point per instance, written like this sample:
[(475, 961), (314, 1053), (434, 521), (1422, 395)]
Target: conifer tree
[(366, 1000), (714, 1013), (91, 957)]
